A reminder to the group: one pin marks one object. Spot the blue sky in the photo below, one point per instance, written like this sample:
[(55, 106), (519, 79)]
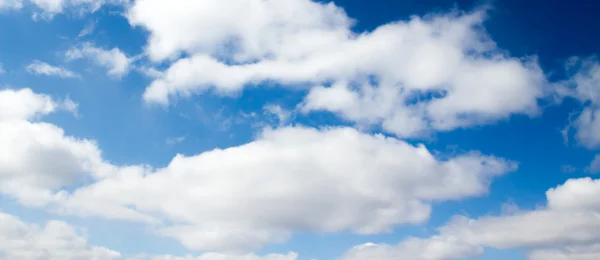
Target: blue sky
[(299, 129)]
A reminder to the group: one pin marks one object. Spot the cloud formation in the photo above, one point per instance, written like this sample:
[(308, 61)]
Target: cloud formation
[(117, 62), (41, 68), (281, 183), (55, 240), (434, 73), (575, 205)]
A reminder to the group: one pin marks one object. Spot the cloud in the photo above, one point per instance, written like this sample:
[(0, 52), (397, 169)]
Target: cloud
[(36, 157), (283, 115), (117, 62), (87, 29), (380, 182), (575, 205), (54, 240), (58, 240), (50, 8), (584, 85), (281, 183), (41, 68), (216, 256), (24, 104), (10, 4), (590, 252), (175, 140), (440, 72), (435, 248), (587, 127)]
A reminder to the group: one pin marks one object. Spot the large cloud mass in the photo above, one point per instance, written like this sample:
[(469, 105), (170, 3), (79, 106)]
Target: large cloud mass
[(440, 72), (241, 198)]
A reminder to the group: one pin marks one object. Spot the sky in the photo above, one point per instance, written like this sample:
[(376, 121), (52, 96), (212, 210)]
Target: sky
[(299, 130)]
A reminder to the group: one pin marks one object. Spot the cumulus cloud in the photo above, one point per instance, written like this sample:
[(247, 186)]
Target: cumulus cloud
[(55, 240), (117, 62), (37, 157), (58, 240), (575, 205), (439, 72), (280, 184), (217, 256), (41, 68), (584, 85), (435, 248), (24, 104)]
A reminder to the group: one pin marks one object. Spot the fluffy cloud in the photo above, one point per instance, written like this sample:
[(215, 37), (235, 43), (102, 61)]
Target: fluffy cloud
[(55, 240), (575, 205), (283, 182), (435, 73), (584, 85), (37, 157), (216, 256), (435, 248), (24, 104), (590, 252), (41, 68), (117, 62), (289, 179), (204, 26)]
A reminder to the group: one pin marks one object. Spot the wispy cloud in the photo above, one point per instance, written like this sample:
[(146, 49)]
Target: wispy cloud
[(87, 29), (117, 63), (41, 68), (175, 140)]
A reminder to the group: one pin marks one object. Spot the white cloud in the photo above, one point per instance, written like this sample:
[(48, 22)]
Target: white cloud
[(283, 115), (435, 248), (279, 184), (282, 183), (49, 8), (87, 29), (205, 25), (36, 157), (41, 68), (575, 206), (587, 127), (584, 85), (117, 62), (595, 165), (175, 140), (387, 76), (56, 240), (24, 104), (10, 4), (216, 256), (288, 180), (591, 252)]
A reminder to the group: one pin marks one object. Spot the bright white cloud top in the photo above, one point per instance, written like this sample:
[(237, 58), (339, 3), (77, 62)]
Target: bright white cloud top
[(380, 77)]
